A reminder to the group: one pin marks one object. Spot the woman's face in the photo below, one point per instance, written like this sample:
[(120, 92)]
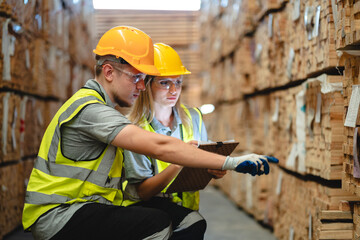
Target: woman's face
[(166, 90)]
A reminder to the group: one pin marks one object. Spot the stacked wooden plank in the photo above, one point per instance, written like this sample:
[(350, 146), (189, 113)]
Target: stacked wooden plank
[(286, 116), (39, 72), (12, 193), (320, 52), (217, 85), (305, 210), (244, 124), (266, 6), (47, 80), (230, 121), (244, 66), (346, 22), (276, 118), (81, 35), (324, 127), (12, 54), (305, 49), (260, 117), (32, 116), (246, 17), (28, 15), (11, 197), (232, 88), (10, 127), (334, 224), (258, 197), (299, 102), (356, 208), (264, 54), (310, 47), (351, 181), (222, 31), (42, 49), (309, 210), (206, 31), (56, 25), (228, 28)]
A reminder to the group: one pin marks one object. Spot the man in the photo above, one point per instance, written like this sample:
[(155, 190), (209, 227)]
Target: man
[(74, 190)]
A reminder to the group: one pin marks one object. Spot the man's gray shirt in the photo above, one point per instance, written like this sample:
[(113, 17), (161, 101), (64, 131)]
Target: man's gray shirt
[(83, 138), (96, 126)]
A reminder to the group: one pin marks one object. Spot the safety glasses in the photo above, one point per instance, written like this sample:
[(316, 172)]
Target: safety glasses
[(165, 83), (135, 78)]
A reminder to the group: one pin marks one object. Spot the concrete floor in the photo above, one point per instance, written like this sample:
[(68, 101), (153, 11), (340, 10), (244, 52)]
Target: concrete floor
[(225, 221)]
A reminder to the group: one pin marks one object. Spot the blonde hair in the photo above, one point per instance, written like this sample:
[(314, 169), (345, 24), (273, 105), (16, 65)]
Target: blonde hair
[(142, 112)]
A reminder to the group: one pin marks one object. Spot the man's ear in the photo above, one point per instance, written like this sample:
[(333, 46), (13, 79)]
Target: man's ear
[(108, 72)]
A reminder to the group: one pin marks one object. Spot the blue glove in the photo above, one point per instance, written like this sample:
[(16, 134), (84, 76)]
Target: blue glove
[(251, 163)]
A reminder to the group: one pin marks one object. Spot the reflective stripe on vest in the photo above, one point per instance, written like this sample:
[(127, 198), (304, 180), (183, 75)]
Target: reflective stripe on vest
[(57, 179), (188, 199)]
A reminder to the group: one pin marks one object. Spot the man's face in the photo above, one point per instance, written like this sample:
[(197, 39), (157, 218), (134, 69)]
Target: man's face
[(126, 86)]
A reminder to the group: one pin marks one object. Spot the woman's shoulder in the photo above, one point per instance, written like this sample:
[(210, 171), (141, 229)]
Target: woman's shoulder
[(195, 112)]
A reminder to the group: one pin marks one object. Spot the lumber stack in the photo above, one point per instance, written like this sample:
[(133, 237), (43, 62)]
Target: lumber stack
[(46, 55), (259, 114), (12, 196), (285, 132), (319, 47), (217, 84), (227, 28), (222, 24), (228, 74), (347, 23), (324, 127), (265, 53), (351, 145), (244, 67), (284, 48), (311, 44), (266, 6), (308, 209), (334, 224), (10, 129), (297, 72), (355, 207)]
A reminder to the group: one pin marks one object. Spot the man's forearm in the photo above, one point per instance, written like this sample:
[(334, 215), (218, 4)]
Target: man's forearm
[(167, 149)]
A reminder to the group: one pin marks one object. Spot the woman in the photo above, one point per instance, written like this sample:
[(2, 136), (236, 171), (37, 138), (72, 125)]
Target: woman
[(158, 109)]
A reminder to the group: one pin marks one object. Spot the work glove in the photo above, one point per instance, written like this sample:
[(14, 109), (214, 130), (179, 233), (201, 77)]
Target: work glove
[(251, 163)]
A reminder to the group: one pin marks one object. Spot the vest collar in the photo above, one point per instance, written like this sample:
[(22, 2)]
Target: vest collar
[(156, 125), (93, 84)]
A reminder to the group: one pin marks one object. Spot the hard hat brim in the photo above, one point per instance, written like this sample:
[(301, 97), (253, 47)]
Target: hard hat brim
[(164, 74), (147, 69)]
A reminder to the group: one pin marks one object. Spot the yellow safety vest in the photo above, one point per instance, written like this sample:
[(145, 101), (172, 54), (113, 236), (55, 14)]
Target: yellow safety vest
[(57, 180), (188, 199)]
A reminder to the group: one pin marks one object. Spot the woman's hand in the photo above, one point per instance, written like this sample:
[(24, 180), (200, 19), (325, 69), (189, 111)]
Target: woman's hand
[(217, 173)]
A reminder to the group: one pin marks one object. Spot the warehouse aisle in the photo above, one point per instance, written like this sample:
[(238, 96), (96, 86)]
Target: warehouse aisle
[(225, 220)]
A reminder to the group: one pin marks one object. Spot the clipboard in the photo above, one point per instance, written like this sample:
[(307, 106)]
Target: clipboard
[(194, 179)]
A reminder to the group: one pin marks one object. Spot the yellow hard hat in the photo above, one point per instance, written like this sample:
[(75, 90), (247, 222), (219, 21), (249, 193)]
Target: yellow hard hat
[(131, 44), (167, 61)]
